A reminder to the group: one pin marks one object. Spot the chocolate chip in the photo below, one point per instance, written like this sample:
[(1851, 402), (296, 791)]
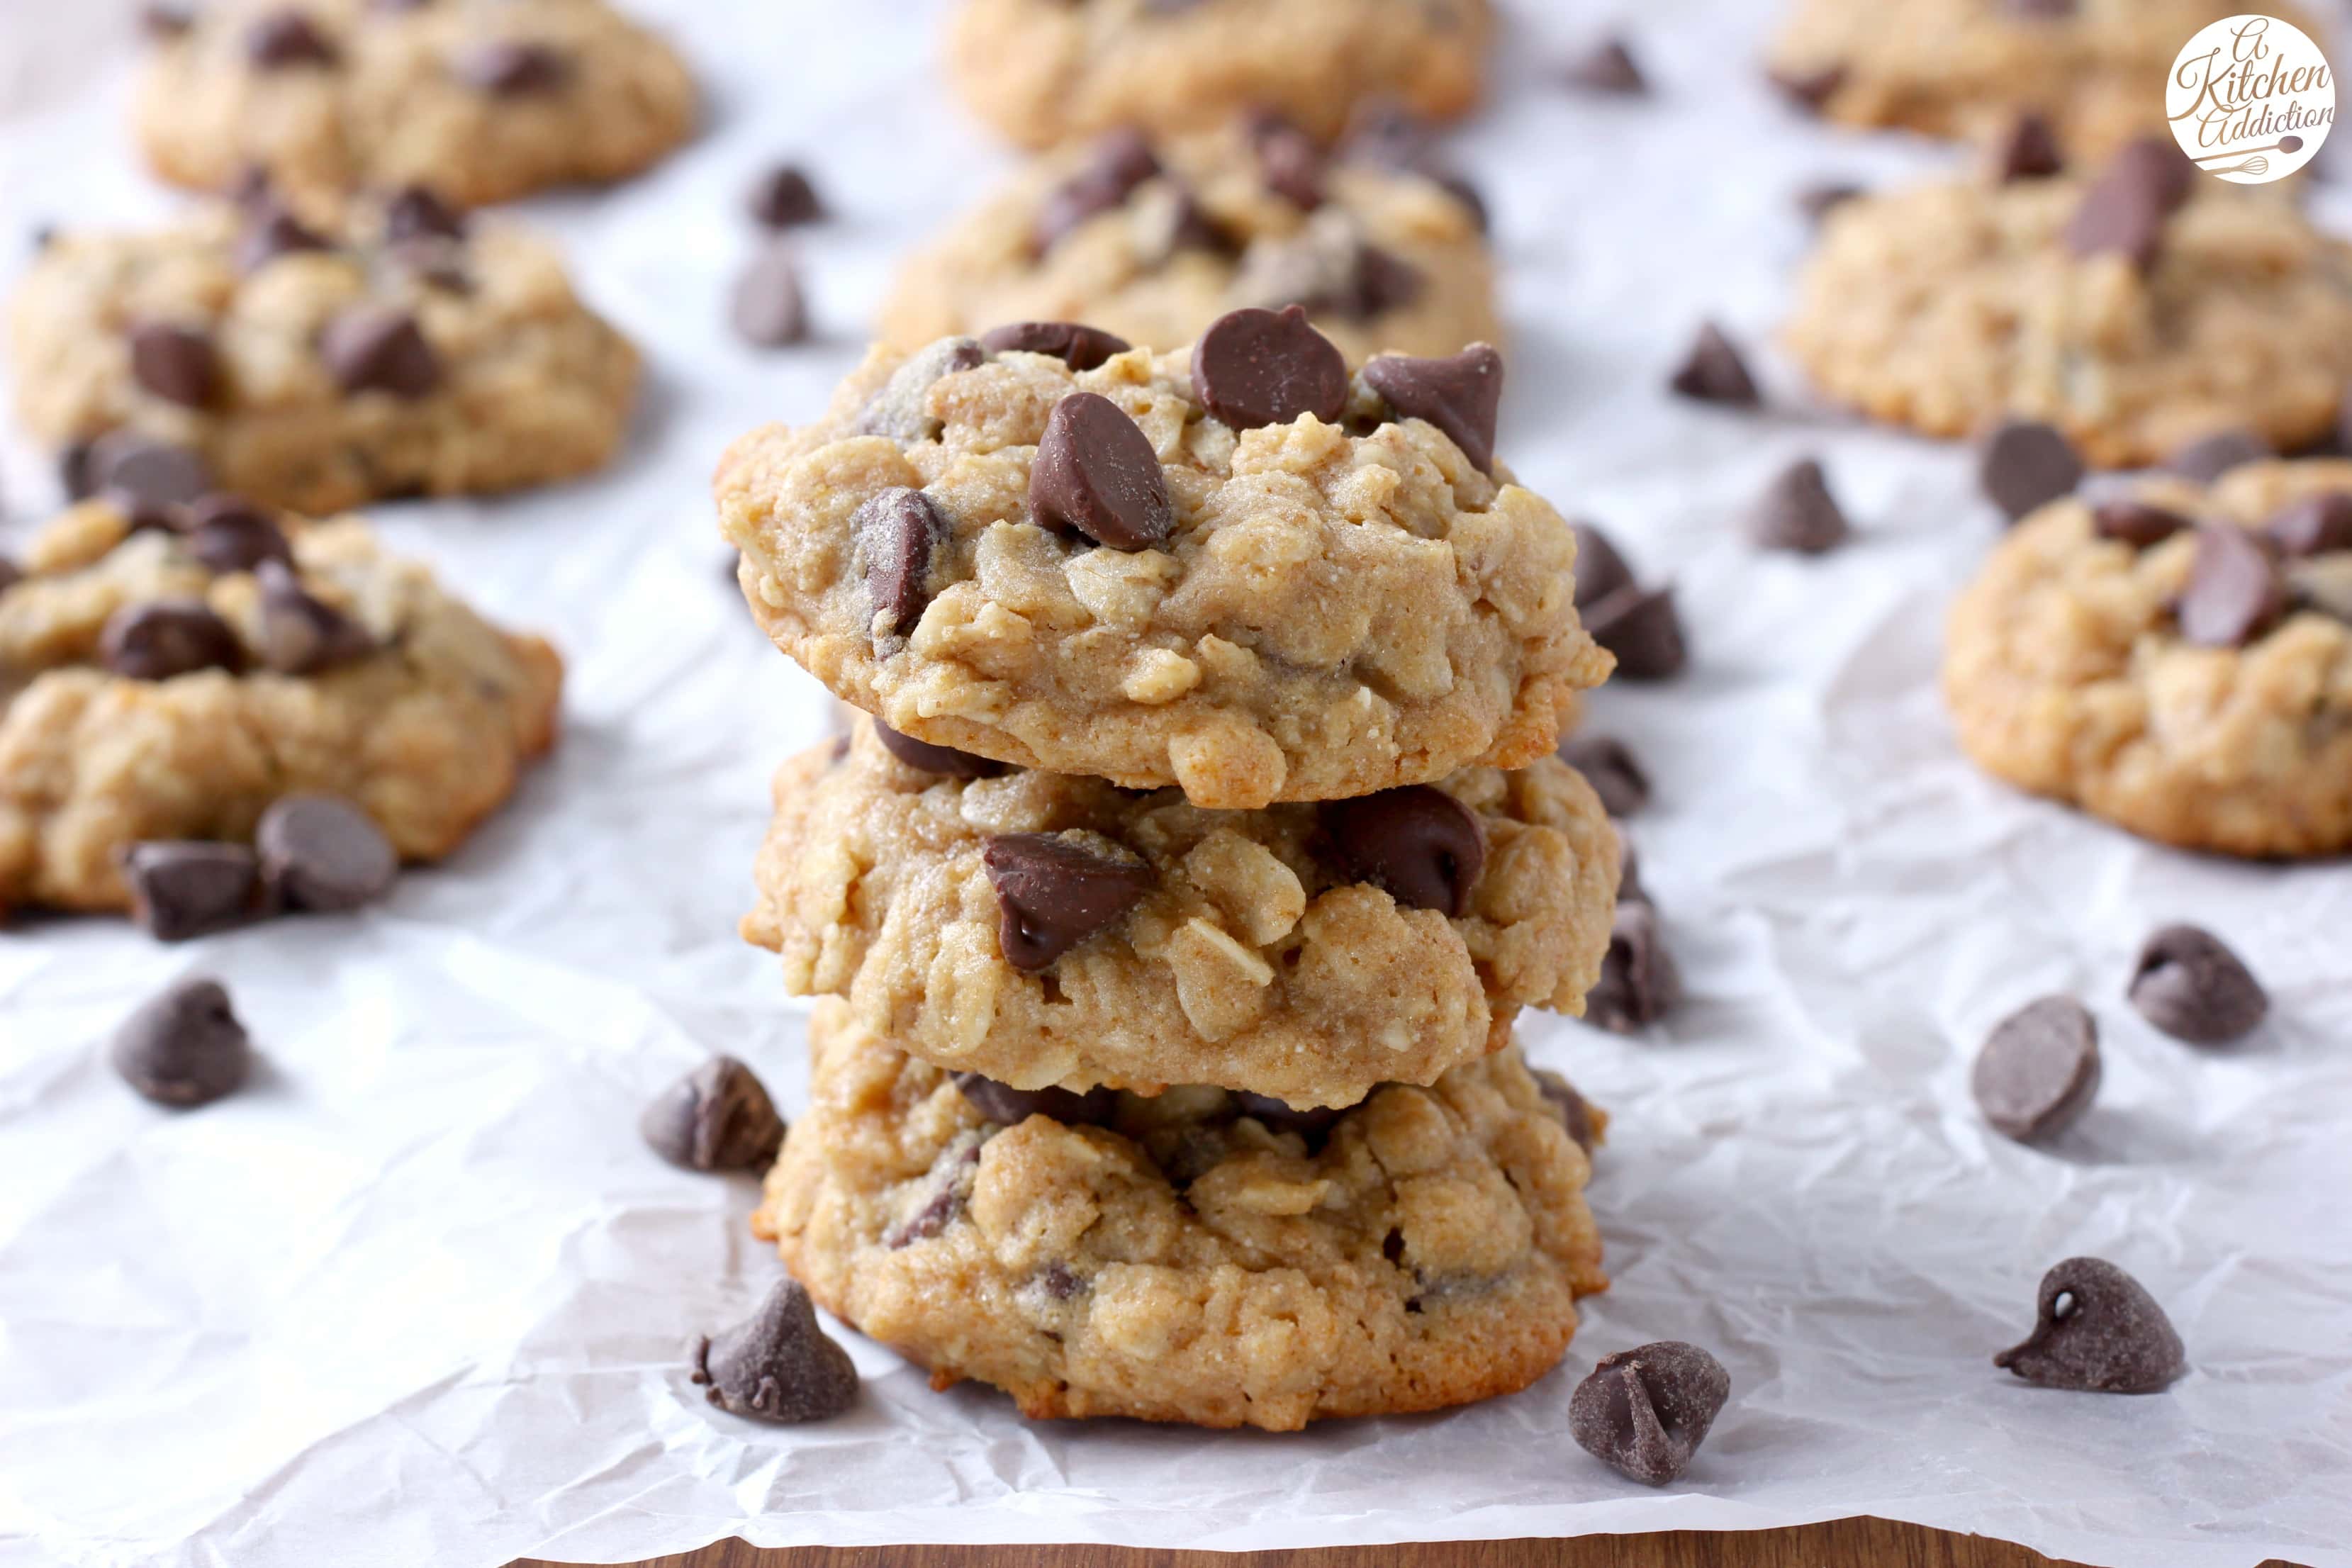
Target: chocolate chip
[(167, 638), (2235, 591), (324, 854), (1644, 1412), (1462, 395), (2313, 526), (898, 410), (2028, 149), (2206, 460), (185, 1047), (1608, 67), (1798, 512), (777, 1365), (2124, 211), (1374, 282), (1119, 163), (300, 633), (1010, 1107), (73, 471), (1644, 630), (10, 574), (1639, 983), (190, 888), (896, 534), (1418, 844), (1079, 347), (375, 348), (716, 1118), (1600, 571), (1096, 473), (1811, 89), (1629, 870), (163, 22), (511, 67), (1314, 1124), (785, 197), (1055, 890), (1268, 367), (271, 231), (2136, 523), (287, 38), (1290, 164), (176, 364), (2194, 988), (416, 212), (767, 307), (2098, 1329), (1714, 372), (1610, 768), (141, 473), (1574, 1110), (229, 533), (1056, 1280), (2024, 465), (1816, 200), (924, 757), (2038, 1069)]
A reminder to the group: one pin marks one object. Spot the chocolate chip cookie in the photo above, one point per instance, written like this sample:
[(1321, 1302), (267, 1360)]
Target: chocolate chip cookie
[(1153, 241), (169, 668), (2136, 308), (1045, 928), (2175, 659), (1042, 71), (317, 365), (1198, 1257), (1237, 568), (478, 101)]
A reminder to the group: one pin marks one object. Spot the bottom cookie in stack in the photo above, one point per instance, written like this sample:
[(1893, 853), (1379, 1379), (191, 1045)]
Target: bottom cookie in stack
[(1198, 1256)]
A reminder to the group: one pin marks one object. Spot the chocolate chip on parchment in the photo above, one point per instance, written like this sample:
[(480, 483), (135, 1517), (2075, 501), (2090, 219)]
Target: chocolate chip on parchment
[(1574, 1110), (1797, 513), (190, 888), (1713, 371), (167, 638), (716, 1118), (768, 308), (229, 533), (1095, 474), (287, 38), (783, 196), (1079, 347), (1255, 367), (896, 533), (321, 853), (376, 348), (271, 230), (2191, 985), (2124, 209), (1600, 571), (1610, 766), (176, 364), (2096, 1329), (1418, 844), (415, 212), (1629, 870), (2235, 591), (1279, 1116), (1644, 1412), (1462, 395), (1608, 67), (1644, 630), (2023, 465), (1810, 89), (2207, 459), (1010, 1107), (1816, 200), (2137, 524), (1639, 983), (513, 67), (2313, 526), (2038, 1069), (2028, 149), (1055, 890), (1118, 163), (899, 410), (301, 634), (141, 474), (185, 1048), (777, 1365), (924, 757)]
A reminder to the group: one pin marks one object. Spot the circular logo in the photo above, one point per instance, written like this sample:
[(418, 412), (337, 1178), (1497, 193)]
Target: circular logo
[(2251, 99)]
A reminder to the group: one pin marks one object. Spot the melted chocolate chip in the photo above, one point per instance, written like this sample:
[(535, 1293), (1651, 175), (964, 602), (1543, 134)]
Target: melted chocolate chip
[(2024, 465), (1462, 395), (1314, 1124), (1055, 890), (2097, 1331), (1254, 367), (777, 1365), (184, 1048), (896, 533), (167, 638), (176, 364), (924, 757), (1644, 1412), (2038, 1069), (716, 1118), (1079, 347), (229, 533), (2189, 985), (1010, 1107), (1095, 474), (1418, 844)]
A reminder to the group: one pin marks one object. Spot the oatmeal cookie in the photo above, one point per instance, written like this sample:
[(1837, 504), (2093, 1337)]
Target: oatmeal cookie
[(166, 674), (1154, 242), (1952, 306), (1042, 71), (317, 365), (1195, 1257), (479, 100), (1303, 952), (2174, 659), (1237, 569)]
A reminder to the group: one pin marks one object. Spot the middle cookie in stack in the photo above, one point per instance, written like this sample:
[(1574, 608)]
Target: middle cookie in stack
[(1276, 630)]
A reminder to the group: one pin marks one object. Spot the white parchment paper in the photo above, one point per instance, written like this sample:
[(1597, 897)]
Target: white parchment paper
[(420, 1295)]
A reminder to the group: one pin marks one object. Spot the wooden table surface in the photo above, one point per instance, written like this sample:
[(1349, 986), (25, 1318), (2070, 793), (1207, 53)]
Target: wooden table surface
[(1848, 1544)]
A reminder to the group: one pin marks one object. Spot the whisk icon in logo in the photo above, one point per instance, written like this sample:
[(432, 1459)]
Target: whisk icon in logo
[(2251, 99)]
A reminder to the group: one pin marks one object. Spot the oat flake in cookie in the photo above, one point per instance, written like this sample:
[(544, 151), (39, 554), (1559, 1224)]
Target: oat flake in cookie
[(145, 709), (1196, 1258), (1337, 607), (2164, 661)]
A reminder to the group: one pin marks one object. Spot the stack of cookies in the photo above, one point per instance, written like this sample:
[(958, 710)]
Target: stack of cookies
[(1172, 896)]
